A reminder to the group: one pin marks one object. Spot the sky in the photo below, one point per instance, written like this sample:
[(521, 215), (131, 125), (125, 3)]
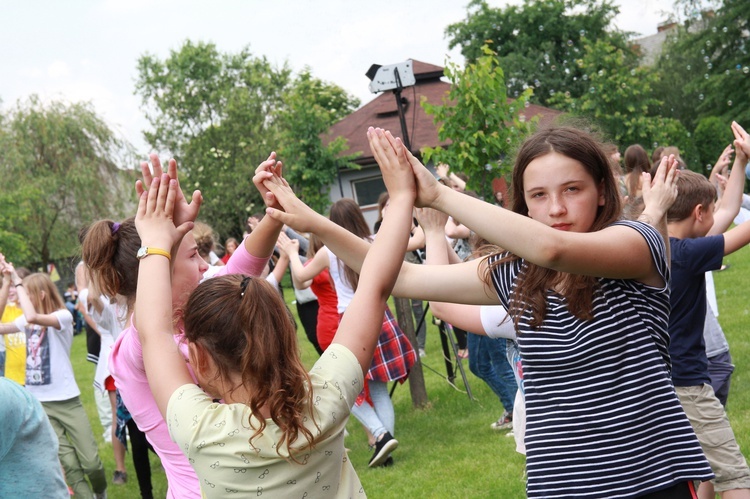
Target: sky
[(87, 50)]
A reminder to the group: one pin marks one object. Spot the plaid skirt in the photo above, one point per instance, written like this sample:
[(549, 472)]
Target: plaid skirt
[(394, 356)]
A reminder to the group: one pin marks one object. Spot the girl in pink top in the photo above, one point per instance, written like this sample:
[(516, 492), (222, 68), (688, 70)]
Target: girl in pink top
[(109, 250)]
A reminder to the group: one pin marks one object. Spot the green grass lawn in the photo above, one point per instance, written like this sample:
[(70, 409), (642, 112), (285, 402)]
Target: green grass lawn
[(449, 450)]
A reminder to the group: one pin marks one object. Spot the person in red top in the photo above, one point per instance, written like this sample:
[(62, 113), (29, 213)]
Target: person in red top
[(229, 246), (321, 284)]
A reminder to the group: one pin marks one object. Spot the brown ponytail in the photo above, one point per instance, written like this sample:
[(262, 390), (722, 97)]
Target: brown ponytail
[(109, 252), (254, 336)]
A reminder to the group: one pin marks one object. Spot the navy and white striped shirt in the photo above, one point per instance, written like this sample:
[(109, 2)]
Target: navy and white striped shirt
[(603, 419)]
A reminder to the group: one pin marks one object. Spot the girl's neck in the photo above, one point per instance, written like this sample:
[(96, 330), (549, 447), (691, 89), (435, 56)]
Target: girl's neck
[(240, 395)]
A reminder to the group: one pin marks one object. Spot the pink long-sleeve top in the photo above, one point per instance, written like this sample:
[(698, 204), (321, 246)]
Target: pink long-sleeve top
[(126, 366)]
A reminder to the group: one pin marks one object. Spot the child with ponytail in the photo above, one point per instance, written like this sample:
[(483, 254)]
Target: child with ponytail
[(110, 250), (280, 430)]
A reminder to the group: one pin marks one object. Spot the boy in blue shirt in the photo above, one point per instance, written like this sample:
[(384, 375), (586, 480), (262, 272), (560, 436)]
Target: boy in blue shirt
[(695, 228)]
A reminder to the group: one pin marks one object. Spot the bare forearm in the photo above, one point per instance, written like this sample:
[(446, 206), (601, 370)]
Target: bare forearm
[(262, 239), (298, 270), (731, 201), (345, 245), (520, 235), (4, 291)]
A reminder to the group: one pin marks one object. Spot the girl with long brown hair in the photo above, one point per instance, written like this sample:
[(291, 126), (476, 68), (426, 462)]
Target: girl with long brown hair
[(280, 430), (589, 297)]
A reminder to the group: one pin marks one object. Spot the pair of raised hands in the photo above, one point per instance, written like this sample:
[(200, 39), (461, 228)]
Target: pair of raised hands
[(164, 205), (403, 175)]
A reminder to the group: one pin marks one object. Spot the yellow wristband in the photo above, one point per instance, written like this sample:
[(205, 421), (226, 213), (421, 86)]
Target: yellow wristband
[(146, 250)]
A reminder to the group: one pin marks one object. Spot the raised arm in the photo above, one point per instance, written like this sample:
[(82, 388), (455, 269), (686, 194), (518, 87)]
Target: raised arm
[(6, 282), (29, 311), (363, 319), (459, 283), (165, 366), (5, 269), (616, 252), (416, 241), (184, 211), (731, 201), (302, 275)]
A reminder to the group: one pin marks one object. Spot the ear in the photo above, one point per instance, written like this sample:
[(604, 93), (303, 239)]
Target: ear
[(699, 212), (600, 189), (200, 360)]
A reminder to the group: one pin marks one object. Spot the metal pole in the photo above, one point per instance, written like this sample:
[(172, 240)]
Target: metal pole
[(400, 105)]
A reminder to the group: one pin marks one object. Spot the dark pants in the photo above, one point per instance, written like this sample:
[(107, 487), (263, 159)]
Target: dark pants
[(140, 447), (720, 369), (308, 316)]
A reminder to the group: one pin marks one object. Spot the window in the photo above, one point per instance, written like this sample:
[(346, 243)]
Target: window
[(367, 190)]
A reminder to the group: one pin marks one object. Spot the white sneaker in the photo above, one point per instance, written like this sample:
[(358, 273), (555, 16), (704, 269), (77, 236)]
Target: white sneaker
[(101, 495)]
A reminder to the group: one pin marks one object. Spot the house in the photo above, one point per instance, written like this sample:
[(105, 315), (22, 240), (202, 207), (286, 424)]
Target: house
[(366, 184)]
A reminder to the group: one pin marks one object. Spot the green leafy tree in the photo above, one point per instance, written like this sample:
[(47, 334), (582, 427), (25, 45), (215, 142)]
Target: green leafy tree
[(215, 113), (711, 136), (620, 101), (482, 123), (311, 106), (59, 169), (538, 42), (708, 63)]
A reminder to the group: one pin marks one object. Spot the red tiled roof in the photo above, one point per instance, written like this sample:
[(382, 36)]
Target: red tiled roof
[(382, 112)]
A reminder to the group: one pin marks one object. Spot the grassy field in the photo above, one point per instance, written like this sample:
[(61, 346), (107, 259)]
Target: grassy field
[(448, 449)]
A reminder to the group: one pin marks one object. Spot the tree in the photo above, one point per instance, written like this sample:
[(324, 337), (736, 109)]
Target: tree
[(620, 100), (59, 168), (538, 41), (311, 106), (709, 64), (215, 113), (482, 123)]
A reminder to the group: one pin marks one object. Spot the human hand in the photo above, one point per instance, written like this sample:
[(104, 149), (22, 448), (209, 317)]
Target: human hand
[(252, 222), (723, 162), (428, 188), (442, 169), (268, 167), (741, 143), (11, 271), (298, 216), (390, 154), (661, 192), (721, 184), (183, 211), (432, 220), (287, 245), (154, 220), (4, 268)]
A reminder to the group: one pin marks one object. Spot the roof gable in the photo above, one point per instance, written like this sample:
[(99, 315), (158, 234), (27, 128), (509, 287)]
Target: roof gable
[(382, 112)]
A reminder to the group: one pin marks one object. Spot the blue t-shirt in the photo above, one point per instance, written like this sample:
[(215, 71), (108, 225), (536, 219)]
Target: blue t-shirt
[(691, 259), (29, 466)]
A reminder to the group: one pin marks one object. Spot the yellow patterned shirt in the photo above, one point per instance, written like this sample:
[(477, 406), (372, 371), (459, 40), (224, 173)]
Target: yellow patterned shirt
[(15, 347)]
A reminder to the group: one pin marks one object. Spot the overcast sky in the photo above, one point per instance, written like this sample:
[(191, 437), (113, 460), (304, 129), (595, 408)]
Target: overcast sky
[(87, 50)]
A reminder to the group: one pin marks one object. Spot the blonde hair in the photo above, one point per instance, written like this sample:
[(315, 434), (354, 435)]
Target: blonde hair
[(43, 293)]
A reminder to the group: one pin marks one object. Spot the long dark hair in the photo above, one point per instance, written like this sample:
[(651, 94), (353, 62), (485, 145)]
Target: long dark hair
[(533, 280), (346, 213), (636, 163), (243, 324)]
